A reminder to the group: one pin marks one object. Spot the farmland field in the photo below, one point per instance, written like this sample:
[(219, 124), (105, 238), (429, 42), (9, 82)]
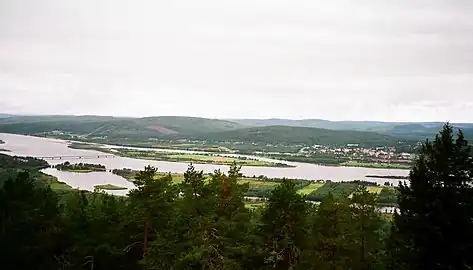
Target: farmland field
[(376, 190), (337, 189), (309, 188)]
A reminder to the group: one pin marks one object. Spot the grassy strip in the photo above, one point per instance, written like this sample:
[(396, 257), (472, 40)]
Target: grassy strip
[(254, 205), (109, 187), (310, 188), (376, 190)]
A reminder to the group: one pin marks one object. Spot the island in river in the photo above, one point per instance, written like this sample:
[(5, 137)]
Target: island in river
[(196, 158), (80, 167), (109, 187)]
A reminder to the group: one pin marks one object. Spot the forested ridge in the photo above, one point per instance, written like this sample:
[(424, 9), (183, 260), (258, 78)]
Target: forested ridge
[(204, 224), (172, 128)]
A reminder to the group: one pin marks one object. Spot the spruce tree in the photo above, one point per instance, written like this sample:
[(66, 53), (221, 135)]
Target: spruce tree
[(435, 223)]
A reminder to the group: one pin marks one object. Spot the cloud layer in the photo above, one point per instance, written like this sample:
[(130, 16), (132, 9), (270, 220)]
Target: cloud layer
[(370, 60)]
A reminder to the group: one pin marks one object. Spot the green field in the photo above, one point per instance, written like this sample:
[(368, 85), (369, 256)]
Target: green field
[(254, 205), (258, 183), (109, 187), (310, 188), (337, 189), (176, 177), (376, 190)]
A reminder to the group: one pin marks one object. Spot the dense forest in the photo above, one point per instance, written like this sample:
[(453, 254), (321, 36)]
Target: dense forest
[(200, 224)]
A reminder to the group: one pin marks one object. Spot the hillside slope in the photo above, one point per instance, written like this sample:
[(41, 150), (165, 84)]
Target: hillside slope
[(316, 123), (420, 130), (300, 135), (114, 127)]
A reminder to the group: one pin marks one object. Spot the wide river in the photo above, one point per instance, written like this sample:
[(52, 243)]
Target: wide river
[(44, 147)]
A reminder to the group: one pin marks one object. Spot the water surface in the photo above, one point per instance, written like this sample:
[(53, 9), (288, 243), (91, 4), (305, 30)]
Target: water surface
[(42, 147)]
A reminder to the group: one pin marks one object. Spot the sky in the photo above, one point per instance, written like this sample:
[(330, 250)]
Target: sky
[(397, 60)]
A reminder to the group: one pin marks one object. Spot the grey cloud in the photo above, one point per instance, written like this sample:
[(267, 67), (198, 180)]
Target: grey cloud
[(391, 60)]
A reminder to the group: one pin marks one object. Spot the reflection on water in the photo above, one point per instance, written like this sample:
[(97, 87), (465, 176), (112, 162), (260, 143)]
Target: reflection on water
[(41, 147)]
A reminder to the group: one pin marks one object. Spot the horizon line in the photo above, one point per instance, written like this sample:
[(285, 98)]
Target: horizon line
[(237, 118)]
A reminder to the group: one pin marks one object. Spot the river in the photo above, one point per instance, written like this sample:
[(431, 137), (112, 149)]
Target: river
[(42, 147)]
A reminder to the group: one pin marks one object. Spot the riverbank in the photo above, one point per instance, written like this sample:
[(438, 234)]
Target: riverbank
[(52, 181)]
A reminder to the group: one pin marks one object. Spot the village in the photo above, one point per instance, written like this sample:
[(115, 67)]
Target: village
[(353, 151)]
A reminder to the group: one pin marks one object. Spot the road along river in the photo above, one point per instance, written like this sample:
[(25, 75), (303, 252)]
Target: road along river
[(44, 147)]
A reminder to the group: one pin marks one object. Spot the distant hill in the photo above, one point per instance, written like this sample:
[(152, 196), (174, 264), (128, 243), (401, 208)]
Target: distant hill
[(186, 125), (414, 130), (115, 126), (315, 123), (300, 135)]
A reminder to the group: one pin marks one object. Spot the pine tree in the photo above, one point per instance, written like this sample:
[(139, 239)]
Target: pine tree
[(153, 201), (368, 226), (334, 237), (285, 227), (436, 207)]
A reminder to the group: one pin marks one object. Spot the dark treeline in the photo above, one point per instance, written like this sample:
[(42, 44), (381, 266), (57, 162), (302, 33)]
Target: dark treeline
[(67, 166), (202, 224)]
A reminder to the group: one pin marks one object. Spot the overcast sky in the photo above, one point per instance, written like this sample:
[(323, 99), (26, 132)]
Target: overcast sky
[(398, 60)]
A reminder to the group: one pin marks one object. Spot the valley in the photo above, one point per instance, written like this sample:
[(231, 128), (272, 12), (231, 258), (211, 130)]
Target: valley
[(293, 142)]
